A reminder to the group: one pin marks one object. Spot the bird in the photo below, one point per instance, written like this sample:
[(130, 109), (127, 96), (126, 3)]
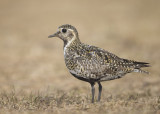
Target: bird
[(93, 64)]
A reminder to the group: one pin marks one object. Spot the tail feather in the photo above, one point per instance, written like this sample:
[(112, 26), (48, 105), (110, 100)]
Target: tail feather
[(141, 64), (138, 65)]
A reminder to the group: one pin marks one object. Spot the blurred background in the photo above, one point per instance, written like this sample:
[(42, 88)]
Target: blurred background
[(29, 61)]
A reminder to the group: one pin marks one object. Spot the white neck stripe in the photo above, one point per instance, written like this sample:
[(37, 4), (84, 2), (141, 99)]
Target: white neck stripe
[(68, 44)]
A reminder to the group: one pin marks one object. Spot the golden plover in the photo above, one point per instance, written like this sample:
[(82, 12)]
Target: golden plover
[(93, 64)]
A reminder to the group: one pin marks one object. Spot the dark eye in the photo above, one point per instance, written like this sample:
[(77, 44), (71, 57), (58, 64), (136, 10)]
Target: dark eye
[(64, 30)]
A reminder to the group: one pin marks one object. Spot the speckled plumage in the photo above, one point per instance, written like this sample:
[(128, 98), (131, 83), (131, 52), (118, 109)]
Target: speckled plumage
[(93, 64)]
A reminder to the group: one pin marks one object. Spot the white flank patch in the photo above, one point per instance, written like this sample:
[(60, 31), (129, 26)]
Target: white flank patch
[(136, 70)]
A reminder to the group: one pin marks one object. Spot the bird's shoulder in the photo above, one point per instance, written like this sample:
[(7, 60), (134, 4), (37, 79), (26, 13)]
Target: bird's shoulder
[(97, 53)]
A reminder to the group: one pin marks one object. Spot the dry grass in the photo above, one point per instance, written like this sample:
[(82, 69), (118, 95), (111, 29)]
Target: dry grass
[(33, 76), (74, 102)]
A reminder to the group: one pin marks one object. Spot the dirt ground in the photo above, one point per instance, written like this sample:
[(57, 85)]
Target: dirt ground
[(33, 76)]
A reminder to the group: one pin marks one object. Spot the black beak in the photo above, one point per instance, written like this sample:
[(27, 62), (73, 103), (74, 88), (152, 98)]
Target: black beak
[(54, 35)]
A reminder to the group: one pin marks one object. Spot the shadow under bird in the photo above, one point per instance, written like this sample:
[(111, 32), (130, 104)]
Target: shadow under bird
[(93, 64)]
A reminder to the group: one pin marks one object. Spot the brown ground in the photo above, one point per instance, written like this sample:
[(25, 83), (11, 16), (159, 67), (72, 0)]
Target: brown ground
[(33, 76)]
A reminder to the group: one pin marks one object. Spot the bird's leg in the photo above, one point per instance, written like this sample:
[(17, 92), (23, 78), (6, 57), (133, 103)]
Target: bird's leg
[(93, 91), (100, 91)]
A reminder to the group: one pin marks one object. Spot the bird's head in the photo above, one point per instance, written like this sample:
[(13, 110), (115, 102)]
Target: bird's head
[(67, 33)]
